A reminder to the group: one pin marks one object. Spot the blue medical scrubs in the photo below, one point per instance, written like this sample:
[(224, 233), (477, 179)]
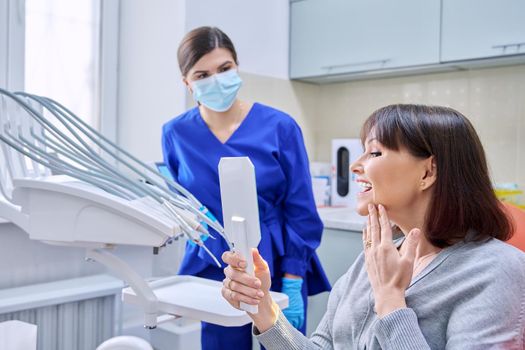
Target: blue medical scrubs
[(290, 226)]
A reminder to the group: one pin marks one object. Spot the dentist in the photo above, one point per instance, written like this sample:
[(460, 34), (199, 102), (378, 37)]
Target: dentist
[(221, 125)]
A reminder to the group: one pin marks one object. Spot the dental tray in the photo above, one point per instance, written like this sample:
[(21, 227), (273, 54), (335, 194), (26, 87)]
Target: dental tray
[(197, 298)]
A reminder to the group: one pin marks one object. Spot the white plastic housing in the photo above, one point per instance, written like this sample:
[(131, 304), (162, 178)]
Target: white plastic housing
[(67, 211)]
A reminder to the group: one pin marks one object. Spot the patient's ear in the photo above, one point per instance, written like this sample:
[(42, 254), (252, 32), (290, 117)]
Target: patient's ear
[(429, 173)]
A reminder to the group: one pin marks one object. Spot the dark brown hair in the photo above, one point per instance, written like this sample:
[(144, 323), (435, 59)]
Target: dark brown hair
[(463, 204), (198, 43)]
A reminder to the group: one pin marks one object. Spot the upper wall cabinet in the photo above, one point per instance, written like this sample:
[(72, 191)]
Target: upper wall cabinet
[(474, 29), (337, 40), (334, 37)]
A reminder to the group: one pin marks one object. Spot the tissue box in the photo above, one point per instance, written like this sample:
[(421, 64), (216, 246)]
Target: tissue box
[(321, 189)]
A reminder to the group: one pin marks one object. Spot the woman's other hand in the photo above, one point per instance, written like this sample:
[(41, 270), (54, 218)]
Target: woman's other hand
[(389, 271), (254, 290)]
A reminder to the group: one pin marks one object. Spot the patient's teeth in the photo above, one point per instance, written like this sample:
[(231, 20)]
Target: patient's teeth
[(365, 185)]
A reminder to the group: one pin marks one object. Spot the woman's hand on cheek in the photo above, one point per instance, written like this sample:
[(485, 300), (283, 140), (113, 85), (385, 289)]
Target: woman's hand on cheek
[(389, 272)]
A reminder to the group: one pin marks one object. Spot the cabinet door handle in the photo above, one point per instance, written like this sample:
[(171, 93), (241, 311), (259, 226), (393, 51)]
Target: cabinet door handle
[(355, 64), (505, 46)]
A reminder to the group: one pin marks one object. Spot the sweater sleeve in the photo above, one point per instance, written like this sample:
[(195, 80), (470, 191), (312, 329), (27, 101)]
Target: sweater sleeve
[(284, 336), (303, 227), (400, 330)]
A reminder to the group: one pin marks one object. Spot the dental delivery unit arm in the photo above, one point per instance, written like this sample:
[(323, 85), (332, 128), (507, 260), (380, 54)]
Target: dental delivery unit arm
[(64, 183)]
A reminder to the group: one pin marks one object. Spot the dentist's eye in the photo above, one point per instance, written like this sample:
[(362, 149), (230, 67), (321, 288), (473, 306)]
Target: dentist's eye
[(225, 69), (202, 76), (375, 154)]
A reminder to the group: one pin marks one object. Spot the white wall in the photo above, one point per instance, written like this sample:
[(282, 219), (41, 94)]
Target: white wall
[(3, 43), (24, 261), (492, 98), (258, 29), (11, 45), (150, 88)]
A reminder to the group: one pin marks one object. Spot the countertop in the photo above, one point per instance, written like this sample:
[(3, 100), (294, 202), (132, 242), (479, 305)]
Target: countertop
[(341, 218)]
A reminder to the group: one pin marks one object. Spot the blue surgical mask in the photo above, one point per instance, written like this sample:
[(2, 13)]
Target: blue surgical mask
[(217, 92)]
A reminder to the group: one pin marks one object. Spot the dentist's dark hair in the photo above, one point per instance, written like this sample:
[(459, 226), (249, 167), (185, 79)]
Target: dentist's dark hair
[(198, 43), (463, 204)]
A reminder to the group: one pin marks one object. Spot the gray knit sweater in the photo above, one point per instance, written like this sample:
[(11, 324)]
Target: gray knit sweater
[(471, 296)]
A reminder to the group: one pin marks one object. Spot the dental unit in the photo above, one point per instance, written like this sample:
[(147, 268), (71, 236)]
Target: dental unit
[(66, 184)]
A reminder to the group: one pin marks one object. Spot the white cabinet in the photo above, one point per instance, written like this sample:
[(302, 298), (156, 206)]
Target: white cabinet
[(335, 40), (473, 29), (312, 36), (337, 252), (330, 37)]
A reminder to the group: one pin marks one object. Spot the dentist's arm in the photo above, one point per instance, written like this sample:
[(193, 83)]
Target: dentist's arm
[(239, 286)]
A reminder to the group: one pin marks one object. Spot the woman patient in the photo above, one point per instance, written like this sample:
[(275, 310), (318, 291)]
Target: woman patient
[(435, 272)]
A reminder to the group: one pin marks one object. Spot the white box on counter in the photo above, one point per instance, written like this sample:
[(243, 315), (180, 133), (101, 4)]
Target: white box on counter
[(344, 188)]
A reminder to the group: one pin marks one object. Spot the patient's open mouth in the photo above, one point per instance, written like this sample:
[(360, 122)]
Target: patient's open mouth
[(365, 185)]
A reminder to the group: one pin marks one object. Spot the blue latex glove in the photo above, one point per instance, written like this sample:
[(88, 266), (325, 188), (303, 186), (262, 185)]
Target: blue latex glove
[(295, 310)]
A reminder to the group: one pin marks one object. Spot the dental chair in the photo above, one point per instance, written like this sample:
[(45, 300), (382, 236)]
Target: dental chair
[(518, 217)]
